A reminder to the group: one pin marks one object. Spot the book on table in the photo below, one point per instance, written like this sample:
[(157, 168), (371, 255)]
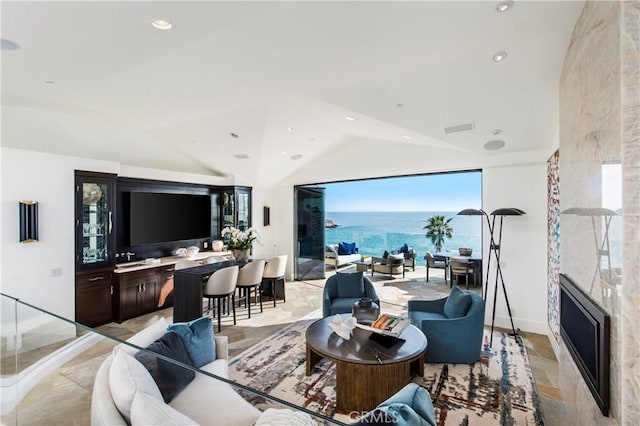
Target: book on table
[(388, 325)]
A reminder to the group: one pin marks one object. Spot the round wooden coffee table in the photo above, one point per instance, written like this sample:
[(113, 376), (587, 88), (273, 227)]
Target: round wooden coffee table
[(366, 372)]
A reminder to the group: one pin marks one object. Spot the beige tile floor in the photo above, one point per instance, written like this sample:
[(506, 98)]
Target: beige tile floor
[(64, 396)]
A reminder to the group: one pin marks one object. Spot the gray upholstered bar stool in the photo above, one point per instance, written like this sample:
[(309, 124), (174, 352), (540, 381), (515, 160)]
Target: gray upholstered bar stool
[(250, 280), (222, 285), (273, 275)]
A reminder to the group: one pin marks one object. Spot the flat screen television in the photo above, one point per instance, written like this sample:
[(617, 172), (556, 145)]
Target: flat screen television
[(152, 217)]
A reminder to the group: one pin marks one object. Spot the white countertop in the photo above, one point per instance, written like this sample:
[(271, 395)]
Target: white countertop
[(164, 261)]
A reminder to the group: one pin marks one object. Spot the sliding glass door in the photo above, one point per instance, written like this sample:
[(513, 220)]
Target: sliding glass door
[(309, 257)]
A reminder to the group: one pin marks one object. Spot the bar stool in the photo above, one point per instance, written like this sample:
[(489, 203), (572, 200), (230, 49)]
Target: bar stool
[(250, 280)]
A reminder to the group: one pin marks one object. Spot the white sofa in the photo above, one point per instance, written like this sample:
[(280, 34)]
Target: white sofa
[(204, 401), (332, 258)]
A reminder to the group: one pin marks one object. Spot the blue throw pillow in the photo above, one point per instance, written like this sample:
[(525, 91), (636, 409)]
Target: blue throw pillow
[(197, 336), (344, 248), (350, 285), (347, 248), (457, 303), (404, 248), (170, 378), (352, 248)]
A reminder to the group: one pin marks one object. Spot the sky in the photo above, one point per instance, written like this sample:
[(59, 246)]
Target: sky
[(434, 192)]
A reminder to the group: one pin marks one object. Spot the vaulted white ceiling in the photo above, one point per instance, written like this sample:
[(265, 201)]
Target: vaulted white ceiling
[(95, 79)]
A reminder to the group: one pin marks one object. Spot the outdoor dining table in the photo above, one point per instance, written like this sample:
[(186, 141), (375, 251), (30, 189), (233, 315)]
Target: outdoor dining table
[(475, 259)]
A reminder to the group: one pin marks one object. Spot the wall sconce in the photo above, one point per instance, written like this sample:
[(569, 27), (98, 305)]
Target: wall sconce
[(266, 216), (28, 221)]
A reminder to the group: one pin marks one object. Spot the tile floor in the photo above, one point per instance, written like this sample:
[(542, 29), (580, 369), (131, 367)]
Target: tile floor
[(64, 396)]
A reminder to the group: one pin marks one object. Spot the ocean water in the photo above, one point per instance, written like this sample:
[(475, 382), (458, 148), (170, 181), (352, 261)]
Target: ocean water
[(375, 232)]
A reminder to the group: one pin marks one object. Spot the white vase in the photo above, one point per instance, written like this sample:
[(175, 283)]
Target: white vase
[(217, 245)]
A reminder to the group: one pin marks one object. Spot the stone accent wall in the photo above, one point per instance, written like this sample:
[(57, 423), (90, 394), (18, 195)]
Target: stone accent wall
[(600, 184)]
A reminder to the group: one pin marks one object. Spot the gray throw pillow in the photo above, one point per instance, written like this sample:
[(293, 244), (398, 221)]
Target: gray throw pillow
[(350, 285), (457, 303), (170, 378)]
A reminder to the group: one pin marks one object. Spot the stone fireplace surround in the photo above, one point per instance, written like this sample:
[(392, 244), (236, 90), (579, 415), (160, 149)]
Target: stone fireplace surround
[(600, 130)]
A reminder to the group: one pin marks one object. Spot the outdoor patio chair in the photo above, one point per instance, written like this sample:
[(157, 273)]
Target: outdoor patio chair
[(436, 262)]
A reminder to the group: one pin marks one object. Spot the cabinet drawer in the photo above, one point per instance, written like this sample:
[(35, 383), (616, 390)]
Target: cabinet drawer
[(137, 275), (93, 278)]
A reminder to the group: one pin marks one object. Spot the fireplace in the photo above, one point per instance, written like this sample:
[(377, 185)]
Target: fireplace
[(585, 330)]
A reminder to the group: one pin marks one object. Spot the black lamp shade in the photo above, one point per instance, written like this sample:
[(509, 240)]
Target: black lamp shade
[(28, 221), (507, 211), (471, 212)]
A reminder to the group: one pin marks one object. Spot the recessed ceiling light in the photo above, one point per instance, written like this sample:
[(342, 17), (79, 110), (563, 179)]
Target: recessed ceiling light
[(399, 106), (350, 118), (49, 82), (296, 156), (283, 153), (8, 44), (494, 145), (499, 56), (289, 129), (496, 132), (406, 137), (241, 156), (503, 6), (312, 139), (161, 24), (233, 135)]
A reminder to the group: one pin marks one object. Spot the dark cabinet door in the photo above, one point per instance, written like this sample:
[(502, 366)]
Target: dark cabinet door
[(149, 293), (137, 293), (94, 299), (94, 224), (129, 300)]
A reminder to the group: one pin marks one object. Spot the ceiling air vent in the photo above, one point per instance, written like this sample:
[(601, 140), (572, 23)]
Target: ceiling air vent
[(460, 127)]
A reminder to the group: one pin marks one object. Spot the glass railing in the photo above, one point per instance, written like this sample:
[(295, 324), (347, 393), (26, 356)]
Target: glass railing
[(51, 368)]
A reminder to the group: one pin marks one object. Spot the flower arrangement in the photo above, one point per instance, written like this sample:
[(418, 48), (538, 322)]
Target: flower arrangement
[(239, 240)]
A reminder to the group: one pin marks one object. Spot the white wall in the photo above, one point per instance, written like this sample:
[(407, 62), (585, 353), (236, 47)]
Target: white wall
[(276, 239), (523, 256), (26, 267)]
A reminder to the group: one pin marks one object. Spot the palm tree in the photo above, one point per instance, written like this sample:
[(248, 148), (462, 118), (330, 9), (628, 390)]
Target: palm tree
[(437, 229)]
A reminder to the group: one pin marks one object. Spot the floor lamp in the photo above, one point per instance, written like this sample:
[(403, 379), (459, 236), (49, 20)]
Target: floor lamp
[(494, 249)]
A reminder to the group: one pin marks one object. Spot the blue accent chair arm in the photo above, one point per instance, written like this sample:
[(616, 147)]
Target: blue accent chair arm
[(436, 305), (370, 291), (330, 293)]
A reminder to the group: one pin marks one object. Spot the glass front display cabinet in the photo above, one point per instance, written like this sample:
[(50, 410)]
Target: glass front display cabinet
[(236, 207), (95, 230)]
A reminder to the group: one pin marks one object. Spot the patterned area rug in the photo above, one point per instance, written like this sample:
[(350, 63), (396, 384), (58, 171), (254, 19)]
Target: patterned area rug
[(499, 389)]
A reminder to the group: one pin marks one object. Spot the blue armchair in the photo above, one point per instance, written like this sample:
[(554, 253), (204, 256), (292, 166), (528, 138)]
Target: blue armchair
[(410, 406), (342, 290), (453, 326)]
